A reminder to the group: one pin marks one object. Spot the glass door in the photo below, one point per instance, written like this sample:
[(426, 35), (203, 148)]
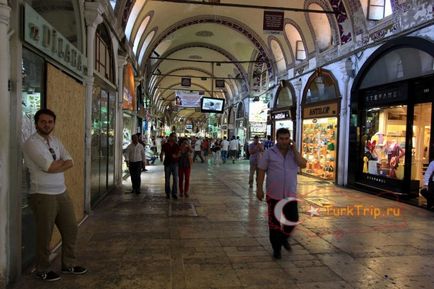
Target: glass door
[(32, 97), (420, 140)]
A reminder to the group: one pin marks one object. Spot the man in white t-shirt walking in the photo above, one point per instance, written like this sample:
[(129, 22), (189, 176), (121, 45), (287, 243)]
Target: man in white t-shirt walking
[(234, 146), (198, 150), (224, 149)]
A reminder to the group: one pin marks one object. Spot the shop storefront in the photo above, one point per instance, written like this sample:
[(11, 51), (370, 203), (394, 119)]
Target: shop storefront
[(320, 122), (240, 123), (51, 78), (392, 102), (258, 118), (283, 112), (103, 118)]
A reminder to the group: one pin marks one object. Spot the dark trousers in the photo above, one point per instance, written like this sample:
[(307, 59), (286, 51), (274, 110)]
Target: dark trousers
[(50, 210), (184, 180), (197, 153), (135, 172), (171, 169), (279, 233)]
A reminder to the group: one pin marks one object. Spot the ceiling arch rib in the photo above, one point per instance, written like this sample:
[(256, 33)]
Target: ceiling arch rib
[(145, 45), (237, 26), (279, 57), (321, 29), (209, 46), (138, 36), (293, 36), (132, 17), (188, 72)]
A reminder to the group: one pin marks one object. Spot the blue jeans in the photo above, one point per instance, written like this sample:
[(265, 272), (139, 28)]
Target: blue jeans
[(171, 169), (224, 156)]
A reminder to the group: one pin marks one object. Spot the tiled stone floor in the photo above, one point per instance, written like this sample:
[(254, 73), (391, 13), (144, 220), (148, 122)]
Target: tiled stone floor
[(130, 241)]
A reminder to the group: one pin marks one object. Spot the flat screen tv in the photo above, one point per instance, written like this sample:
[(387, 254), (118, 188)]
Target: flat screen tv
[(210, 104)]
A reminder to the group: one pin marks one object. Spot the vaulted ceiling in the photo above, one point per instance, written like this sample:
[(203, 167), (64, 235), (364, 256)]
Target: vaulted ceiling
[(224, 39)]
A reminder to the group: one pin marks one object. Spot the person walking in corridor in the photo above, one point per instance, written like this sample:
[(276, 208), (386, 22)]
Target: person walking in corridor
[(184, 165), (255, 150), (224, 149), (234, 145), (136, 159), (47, 160), (280, 163), (170, 151), (197, 149)]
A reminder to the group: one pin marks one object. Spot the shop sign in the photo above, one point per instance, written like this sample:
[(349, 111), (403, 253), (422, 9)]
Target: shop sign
[(384, 96), (258, 127), (273, 21), (321, 111), (281, 115), (40, 34)]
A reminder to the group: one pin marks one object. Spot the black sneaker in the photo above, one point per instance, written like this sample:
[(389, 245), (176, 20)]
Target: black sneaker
[(76, 270), (286, 245), (277, 255), (174, 197), (47, 276)]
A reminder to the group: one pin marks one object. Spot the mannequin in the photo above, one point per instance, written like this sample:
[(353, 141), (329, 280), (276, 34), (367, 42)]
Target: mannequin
[(394, 153)]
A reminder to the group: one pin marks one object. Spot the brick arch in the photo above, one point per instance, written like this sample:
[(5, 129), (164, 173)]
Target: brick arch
[(236, 25)]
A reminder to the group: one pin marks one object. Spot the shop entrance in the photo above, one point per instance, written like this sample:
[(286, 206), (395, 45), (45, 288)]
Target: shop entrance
[(421, 140)]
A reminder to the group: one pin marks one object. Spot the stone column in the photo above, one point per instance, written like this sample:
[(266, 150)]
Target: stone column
[(4, 140), (121, 62), (93, 17)]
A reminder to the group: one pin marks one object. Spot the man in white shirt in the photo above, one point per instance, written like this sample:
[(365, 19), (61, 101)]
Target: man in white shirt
[(47, 161), (225, 148), (198, 150), (135, 158), (234, 145)]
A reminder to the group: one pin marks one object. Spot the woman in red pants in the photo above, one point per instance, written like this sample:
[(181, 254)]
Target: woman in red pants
[(184, 167)]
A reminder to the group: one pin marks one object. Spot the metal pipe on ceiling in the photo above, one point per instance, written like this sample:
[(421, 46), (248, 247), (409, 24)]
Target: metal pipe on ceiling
[(235, 5), (214, 77), (206, 61)]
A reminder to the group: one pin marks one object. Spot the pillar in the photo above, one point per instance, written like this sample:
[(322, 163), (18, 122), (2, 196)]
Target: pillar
[(121, 62), (5, 137), (93, 17)]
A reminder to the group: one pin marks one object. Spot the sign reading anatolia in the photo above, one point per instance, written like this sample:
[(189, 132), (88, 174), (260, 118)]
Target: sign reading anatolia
[(321, 110)]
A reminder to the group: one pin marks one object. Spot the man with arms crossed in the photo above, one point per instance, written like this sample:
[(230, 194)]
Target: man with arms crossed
[(47, 161), (281, 163)]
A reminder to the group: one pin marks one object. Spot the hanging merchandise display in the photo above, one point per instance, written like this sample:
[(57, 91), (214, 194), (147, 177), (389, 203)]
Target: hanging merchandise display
[(319, 140)]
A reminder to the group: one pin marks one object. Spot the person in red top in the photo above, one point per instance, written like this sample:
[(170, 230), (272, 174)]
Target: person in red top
[(171, 153)]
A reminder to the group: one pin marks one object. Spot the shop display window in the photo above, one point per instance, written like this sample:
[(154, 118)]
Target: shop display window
[(384, 141), (32, 94), (319, 146)]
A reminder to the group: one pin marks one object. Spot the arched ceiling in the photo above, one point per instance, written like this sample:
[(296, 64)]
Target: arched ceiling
[(174, 39)]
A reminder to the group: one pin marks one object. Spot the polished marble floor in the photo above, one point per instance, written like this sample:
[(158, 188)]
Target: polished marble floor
[(217, 238)]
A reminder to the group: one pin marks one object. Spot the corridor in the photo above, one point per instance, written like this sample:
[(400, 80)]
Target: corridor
[(218, 238)]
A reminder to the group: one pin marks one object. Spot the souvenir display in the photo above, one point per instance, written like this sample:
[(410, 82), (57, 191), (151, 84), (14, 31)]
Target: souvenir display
[(319, 146)]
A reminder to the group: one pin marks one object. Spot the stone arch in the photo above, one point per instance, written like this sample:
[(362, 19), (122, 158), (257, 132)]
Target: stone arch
[(299, 30), (238, 26), (324, 4), (276, 61), (203, 45)]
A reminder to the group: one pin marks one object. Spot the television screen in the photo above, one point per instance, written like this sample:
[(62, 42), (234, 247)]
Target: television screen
[(209, 104)]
